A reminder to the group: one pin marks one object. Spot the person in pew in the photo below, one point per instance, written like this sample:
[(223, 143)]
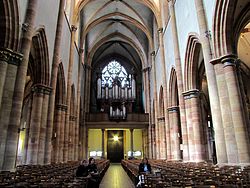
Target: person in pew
[(82, 170), (144, 166), (94, 180)]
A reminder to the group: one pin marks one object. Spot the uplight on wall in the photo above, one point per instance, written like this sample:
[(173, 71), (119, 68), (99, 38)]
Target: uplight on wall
[(92, 153), (115, 138), (135, 153), (95, 153)]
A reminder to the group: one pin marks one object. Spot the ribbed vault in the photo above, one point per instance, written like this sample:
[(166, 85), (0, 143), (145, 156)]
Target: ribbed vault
[(123, 28)]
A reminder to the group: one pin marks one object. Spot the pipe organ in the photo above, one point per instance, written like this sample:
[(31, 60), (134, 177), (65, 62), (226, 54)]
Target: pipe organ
[(117, 93)]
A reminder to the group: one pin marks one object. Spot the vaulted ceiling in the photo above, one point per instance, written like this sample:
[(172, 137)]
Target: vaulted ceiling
[(117, 28)]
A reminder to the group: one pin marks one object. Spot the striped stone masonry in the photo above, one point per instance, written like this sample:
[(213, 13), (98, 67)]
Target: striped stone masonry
[(175, 135), (197, 152), (9, 63)]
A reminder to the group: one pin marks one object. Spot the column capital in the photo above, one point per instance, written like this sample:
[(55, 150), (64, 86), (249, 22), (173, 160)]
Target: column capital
[(131, 130), (229, 60), (208, 34), (43, 89), (146, 69), (173, 109), (26, 27), (161, 119), (81, 50), (160, 30), (152, 53), (87, 66), (64, 107), (5, 54), (59, 107), (73, 28), (11, 57), (195, 93), (72, 118)]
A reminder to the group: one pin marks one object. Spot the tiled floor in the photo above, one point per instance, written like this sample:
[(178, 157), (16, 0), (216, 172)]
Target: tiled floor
[(116, 177)]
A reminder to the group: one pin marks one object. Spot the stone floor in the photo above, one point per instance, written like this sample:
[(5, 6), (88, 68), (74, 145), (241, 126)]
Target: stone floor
[(116, 177)]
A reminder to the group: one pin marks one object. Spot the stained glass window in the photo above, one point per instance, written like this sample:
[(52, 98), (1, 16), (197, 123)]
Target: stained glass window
[(114, 70)]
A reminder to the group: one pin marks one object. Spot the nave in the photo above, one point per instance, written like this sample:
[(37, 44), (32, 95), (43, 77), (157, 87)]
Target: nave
[(116, 177), (124, 79)]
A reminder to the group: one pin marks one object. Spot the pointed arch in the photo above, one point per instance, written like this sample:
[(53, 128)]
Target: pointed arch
[(73, 101), (140, 52), (161, 102), (222, 27), (9, 24), (61, 86), (173, 89), (191, 58), (40, 66)]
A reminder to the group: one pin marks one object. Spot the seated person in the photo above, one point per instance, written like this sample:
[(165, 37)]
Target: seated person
[(144, 166), (82, 170), (94, 181)]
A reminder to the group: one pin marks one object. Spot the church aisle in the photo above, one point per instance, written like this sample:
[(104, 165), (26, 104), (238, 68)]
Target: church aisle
[(116, 177)]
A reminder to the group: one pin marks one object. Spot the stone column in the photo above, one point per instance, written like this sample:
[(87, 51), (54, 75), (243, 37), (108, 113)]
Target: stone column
[(8, 74), (162, 136), (237, 112), (14, 123), (54, 71), (57, 133), (194, 100), (147, 87), (70, 149), (27, 130), (71, 137), (190, 136), (88, 78), (153, 141), (150, 142), (205, 38), (85, 90), (179, 81), (155, 108), (85, 142), (43, 126), (132, 142), (197, 125), (68, 100), (80, 156), (5, 55), (166, 143), (103, 140), (61, 139), (174, 132), (76, 141), (171, 122), (35, 124), (227, 126), (78, 106)]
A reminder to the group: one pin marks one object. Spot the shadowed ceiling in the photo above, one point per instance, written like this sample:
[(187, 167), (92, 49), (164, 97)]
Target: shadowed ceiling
[(117, 28)]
